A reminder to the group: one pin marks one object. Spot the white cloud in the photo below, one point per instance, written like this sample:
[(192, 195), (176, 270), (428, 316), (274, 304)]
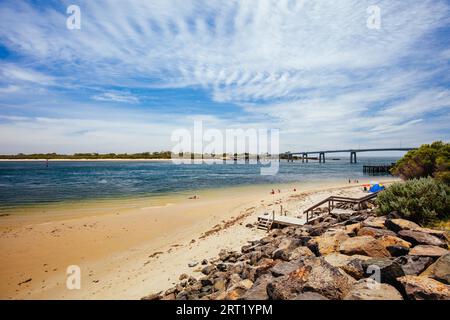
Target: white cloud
[(116, 97), (314, 70)]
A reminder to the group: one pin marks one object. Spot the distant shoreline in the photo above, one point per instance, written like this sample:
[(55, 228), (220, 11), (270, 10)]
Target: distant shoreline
[(81, 160)]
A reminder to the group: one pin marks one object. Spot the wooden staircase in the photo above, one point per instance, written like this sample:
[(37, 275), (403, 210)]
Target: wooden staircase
[(331, 201), (265, 223)]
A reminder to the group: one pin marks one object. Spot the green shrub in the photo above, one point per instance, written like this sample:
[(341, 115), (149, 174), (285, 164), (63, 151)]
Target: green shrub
[(427, 161), (423, 200)]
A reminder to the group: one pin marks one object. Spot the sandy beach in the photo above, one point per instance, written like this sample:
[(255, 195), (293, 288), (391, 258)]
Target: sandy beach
[(129, 248)]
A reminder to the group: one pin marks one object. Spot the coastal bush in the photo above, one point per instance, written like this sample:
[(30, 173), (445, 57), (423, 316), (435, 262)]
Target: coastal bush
[(430, 160), (423, 200)]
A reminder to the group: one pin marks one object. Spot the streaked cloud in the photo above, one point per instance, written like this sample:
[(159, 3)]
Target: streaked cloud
[(311, 68)]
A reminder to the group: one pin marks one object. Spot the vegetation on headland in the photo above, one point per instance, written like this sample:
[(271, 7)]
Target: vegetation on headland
[(424, 200), (425, 195), (125, 156), (430, 160), (90, 156)]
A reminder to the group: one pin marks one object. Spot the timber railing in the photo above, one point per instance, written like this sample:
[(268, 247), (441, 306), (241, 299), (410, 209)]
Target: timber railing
[(336, 199)]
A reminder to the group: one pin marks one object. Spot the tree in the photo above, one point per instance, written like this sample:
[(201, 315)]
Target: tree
[(430, 160)]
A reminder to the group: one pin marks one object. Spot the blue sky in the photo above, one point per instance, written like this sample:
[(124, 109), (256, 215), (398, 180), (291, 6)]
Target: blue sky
[(138, 70)]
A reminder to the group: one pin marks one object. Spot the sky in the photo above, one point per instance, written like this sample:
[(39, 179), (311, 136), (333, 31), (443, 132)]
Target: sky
[(136, 71)]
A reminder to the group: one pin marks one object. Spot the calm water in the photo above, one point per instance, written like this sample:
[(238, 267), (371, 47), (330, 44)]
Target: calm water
[(31, 182)]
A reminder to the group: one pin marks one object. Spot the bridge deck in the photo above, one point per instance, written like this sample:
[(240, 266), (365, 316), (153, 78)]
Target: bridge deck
[(353, 150)]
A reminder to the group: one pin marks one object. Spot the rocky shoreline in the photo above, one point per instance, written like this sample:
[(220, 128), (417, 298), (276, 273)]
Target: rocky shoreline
[(347, 256)]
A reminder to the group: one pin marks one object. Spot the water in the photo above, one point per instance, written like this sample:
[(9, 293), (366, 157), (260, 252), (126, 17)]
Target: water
[(24, 183)]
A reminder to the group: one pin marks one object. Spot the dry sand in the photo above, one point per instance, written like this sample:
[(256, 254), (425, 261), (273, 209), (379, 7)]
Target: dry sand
[(129, 248)]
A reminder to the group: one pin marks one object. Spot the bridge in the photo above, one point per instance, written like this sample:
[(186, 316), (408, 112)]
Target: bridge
[(352, 152)]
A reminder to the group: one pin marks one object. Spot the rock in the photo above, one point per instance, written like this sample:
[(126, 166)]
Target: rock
[(397, 251), (375, 232), (282, 254), (170, 296), (233, 280), (414, 265), (238, 290), (267, 250), (393, 215), (364, 245), (418, 237), (249, 225), (397, 225), (310, 296), (152, 297), (208, 270), (327, 243), (192, 264), (204, 262), (423, 288), (437, 233), (312, 274), (428, 251), (352, 229), (368, 289), (374, 222), (222, 267), (183, 295), (206, 282), (259, 289), (255, 257), (352, 265), (266, 240), (300, 252), (276, 233), (440, 270), (219, 285), (263, 267), (183, 276), (389, 270), (387, 241), (284, 268)]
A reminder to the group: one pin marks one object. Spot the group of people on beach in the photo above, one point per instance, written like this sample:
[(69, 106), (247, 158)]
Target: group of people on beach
[(354, 181)]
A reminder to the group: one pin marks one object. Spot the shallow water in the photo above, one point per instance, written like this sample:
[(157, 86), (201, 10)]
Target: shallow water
[(23, 183)]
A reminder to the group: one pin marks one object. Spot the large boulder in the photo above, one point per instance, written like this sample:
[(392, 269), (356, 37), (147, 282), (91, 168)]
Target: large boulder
[(424, 288), (238, 290), (389, 240), (367, 289), (327, 243), (440, 270), (389, 270), (375, 232), (374, 222), (310, 296), (437, 233), (365, 245), (418, 238), (259, 289), (352, 265), (300, 252), (397, 225), (352, 229), (414, 265), (428, 251), (284, 268), (397, 251), (312, 275)]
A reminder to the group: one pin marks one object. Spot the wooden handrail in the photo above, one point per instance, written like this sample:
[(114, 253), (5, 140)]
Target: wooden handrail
[(333, 199)]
